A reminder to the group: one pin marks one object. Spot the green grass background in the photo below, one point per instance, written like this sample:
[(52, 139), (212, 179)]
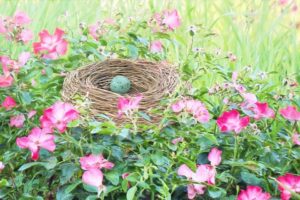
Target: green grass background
[(260, 32)]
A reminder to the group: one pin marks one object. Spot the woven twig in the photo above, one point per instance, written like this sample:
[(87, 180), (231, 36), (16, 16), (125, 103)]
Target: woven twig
[(153, 80)]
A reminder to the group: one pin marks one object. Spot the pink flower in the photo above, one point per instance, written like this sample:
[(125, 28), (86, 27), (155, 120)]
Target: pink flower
[(23, 58), (58, 116), (287, 183), (262, 110), (95, 162), (198, 110), (124, 176), (171, 19), (94, 31), (51, 46), (176, 140), (214, 156), (12, 65), (226, 101), (240, 88), (43, 72), (126, 105), (231, 121), (178, 106), (9, 103), (294, 7), (204, 173), (296, 139), (2, 166), (31, 114), (17, 121), (235, 75), (156, 46), (232, 57), (26, 35), (21, 18), (249, 98), (33, 82), (109, 21), (6, 80), (94, 177), (283, 2), (2, 26), (194, 107), (37, 139), (193, 189), (290, 113), (253, 192)]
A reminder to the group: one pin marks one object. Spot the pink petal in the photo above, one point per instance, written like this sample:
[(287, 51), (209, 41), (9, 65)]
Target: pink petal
[(214, 156), (9, 103), (17, 121), (93, 177), (31, 114), (290, 113), (172, 19), (22, 142), (156, 46), (296, 139), (21, 18), (184, 170), (26, 35), (253, 192), (23, 58)]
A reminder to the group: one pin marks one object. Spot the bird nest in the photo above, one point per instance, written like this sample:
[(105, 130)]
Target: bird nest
[(153, 80)]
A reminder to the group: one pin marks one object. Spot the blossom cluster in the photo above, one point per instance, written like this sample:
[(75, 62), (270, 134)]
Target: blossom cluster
[(55, 117)]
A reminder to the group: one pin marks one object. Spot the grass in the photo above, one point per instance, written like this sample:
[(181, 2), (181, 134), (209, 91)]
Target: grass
[(261, 33)]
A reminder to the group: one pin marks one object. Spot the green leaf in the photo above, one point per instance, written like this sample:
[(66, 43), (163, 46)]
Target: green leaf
[(124, 185), (113, 177), (250, 179), (26, 98), (67, 171), (3, 183), (162, 35), (131, 193), (71, 187), (145, 116), (143, 185), (92, 197), (202, 159), (48, 165), (61, 194), (74, 123), (133, 51), (133, 177), (132, 35), (159, 159), (216, 193), (188, 162), (90, 188)]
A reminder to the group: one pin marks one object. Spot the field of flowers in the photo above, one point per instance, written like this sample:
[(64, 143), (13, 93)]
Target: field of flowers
[(231, 129)]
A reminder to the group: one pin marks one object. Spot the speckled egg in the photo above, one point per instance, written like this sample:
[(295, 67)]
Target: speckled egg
[(120, 84)]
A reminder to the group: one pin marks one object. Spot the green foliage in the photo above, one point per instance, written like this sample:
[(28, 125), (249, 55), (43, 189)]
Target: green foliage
[(150, 157)]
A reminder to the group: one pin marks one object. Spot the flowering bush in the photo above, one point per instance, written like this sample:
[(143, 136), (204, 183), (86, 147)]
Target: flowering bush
[(224, 134)]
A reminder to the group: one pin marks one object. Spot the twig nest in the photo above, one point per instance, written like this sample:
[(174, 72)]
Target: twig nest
[(120, 84), (153, 80)]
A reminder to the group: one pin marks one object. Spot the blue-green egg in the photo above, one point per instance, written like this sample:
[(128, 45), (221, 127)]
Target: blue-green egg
[(120, 84)]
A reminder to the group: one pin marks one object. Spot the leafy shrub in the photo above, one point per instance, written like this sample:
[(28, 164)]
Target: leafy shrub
[(224, 135)]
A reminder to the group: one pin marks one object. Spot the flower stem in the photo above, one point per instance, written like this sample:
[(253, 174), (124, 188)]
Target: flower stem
[(235, 152)]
